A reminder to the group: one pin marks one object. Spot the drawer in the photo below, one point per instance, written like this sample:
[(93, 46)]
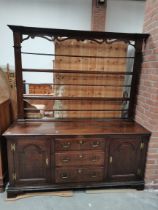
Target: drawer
[(79, 144), (79, 174), (79, 158)]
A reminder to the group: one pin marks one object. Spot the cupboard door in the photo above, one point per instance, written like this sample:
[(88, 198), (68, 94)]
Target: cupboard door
[(124, 159), (32, 161)]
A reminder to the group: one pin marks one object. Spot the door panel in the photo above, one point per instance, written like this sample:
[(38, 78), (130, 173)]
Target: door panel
[(32, 161), (124, 159)]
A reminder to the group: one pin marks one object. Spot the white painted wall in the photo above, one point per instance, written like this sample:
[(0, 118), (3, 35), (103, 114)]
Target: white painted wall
[(122, 16), (68, 14), (125, 16)]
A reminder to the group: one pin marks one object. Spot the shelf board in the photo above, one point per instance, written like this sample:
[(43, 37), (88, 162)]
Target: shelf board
[(77, 71), (95, 85), (77, 56), (69, 110), (49, 97)]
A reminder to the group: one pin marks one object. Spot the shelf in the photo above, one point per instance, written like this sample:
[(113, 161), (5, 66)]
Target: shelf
[(76, 56), (93, 77), (69, 110), (25, 83), (48, 97), (77, 71)]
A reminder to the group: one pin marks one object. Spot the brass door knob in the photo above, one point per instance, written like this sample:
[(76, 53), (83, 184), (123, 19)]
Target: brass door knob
[(47, 162), (80, 156), (79, 171)]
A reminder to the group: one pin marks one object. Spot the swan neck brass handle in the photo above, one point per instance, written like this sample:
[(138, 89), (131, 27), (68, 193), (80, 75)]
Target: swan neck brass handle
[(93, 175), (94, 159), (64, 176), (95, 144), (66, 145), (65, 160)]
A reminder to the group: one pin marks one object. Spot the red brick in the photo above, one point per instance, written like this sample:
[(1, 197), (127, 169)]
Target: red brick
[(155, 135), (98, 17), (152, 166), (150, 57), (150, 186), (147, 104), (153, 156)]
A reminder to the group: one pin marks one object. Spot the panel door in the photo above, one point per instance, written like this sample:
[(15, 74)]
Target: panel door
[(32, 161), (124, 159)]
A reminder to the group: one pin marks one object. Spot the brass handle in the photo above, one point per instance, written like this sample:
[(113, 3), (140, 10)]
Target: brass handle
[(93, 175), (64, 176), (47, 161), (94, 159), (95, 144), (66, 145), (81, 142), (65, 160), (110, 159)]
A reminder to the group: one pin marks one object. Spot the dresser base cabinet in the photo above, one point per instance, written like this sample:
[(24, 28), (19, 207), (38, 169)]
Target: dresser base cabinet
[(39, 162)]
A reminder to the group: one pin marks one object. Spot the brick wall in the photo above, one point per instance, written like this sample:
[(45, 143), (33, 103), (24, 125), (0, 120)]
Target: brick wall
[(98, 16), (147, 105)]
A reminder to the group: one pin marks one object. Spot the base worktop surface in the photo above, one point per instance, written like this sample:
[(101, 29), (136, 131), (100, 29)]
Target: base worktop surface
[(75, 128)]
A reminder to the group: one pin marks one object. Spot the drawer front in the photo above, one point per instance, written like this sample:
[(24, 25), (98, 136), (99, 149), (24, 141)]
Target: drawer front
[(79, 144), (79, 174), (79, 158)]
